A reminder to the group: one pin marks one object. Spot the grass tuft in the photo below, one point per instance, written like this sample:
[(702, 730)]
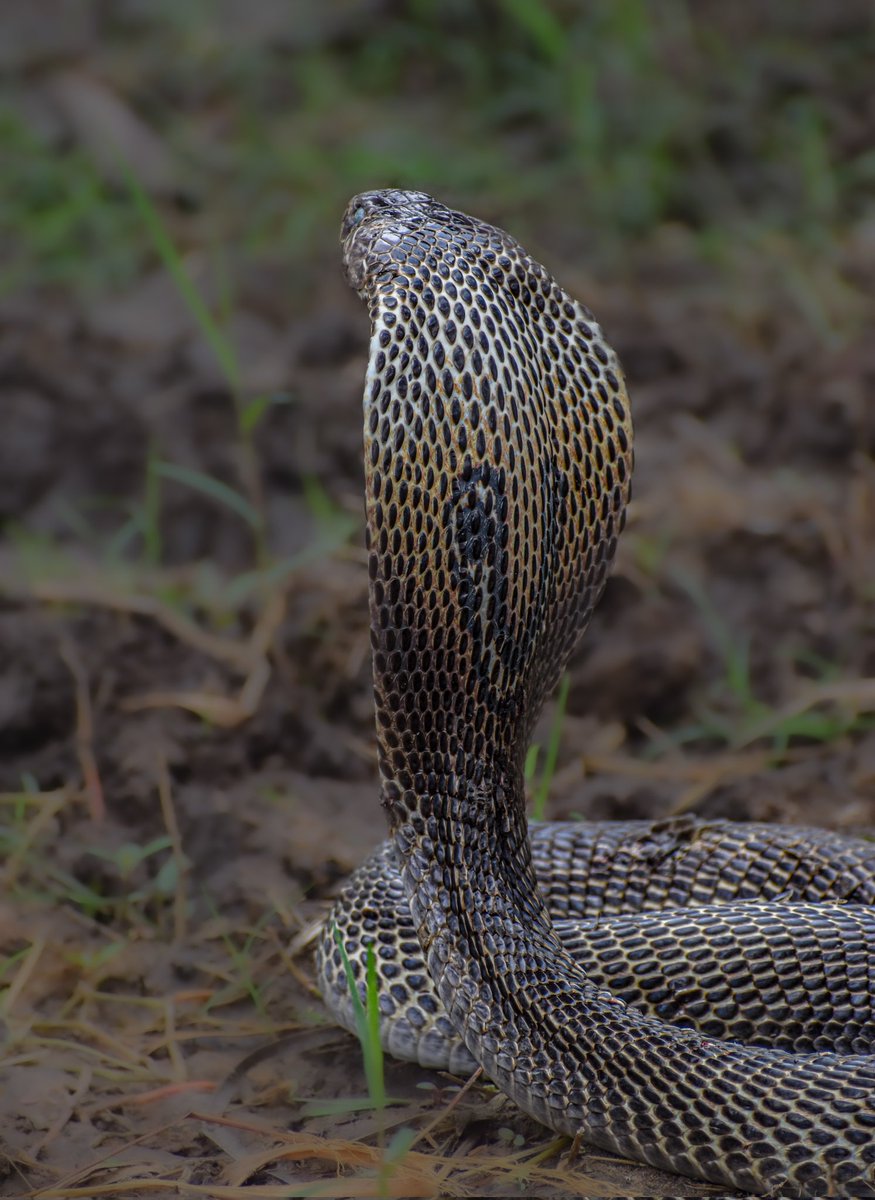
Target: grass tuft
[(367, 1020), (542, 789)]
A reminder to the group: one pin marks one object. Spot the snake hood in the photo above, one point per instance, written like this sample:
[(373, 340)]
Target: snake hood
[(498, 460)]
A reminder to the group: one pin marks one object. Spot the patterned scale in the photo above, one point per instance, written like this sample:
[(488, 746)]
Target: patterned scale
[(695, 996)]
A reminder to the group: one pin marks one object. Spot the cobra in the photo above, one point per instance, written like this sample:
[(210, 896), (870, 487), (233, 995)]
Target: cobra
[(696, 996)]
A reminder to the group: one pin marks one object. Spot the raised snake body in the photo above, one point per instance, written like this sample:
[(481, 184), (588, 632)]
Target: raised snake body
[(498, 457)]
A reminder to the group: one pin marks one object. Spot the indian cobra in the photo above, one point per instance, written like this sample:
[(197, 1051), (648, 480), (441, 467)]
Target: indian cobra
[(697, 996)]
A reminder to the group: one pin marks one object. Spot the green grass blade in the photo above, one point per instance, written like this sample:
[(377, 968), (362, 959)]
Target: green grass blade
[(172, 260), (552, 755), (329, 539), (535, 19), (213, 488), (374, 1055), (531, 768), (367, 1020)]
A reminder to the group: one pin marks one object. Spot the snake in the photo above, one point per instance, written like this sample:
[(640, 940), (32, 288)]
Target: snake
[(694, 995)]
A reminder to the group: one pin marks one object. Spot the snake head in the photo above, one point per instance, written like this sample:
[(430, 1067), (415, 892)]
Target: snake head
[(372, 234)]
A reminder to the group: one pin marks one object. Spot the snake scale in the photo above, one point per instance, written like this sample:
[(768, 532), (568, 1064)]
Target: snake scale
[(697, 996)]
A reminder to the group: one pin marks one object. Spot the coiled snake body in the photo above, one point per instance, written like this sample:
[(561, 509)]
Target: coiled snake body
[(497, 458)]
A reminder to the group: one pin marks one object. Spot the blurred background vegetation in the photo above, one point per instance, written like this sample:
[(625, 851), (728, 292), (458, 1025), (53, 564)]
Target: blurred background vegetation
[(183, 357), (588, 126)]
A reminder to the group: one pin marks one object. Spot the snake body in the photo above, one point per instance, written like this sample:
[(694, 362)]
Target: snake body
[(498, 459)]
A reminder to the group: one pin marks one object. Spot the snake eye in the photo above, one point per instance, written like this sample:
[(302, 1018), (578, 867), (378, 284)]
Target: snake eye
[(358, 216)]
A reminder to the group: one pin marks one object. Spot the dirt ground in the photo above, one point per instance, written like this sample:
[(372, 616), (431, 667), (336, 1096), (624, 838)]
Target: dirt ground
[(187, 760)]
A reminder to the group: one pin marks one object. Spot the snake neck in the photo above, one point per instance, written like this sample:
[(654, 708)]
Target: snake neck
[(465, 884)]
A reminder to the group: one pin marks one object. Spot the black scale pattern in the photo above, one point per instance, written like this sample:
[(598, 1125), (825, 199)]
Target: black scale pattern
[(709, 955), (498, 459)]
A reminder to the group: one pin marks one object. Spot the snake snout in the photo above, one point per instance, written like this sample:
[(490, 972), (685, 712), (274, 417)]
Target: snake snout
[(373, 225)]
